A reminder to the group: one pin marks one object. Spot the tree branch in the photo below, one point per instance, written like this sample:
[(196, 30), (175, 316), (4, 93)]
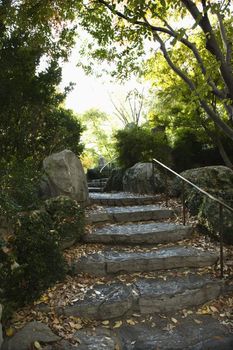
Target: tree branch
[(211, 43), (210, 112), (226, 43)]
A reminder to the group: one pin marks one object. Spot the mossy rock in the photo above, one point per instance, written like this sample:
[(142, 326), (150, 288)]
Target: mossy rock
[(115, 181), (217, 181)]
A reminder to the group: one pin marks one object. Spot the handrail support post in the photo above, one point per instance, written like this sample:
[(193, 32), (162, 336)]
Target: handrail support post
[(221, 238), (166, 188), (183, 204)]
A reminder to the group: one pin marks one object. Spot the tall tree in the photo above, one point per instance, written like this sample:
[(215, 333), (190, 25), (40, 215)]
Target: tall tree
[(121, 28), (34, 38)]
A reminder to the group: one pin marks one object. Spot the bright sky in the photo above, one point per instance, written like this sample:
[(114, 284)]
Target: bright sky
[(91, 92)]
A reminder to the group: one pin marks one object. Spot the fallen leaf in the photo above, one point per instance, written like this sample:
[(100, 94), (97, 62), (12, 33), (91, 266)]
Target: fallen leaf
[(197, 321), (117, 324), (168, 327), (37, 345), (214, 309), (131, 322), (76, 326), (105, 323), (174, 320), (10, 332)]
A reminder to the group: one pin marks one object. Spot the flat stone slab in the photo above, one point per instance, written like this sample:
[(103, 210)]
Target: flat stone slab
[(25, 337), (143, 233), (175, 294), (145, 296), (130, 213), (95, 189), (97, 339), (103, 302), (110, 262), (121, 198), (186, 335)]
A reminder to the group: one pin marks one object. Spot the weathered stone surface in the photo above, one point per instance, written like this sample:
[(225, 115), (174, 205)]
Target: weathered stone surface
[(131, 213), (145, 296), (103, 302), (96, 339), (143, 178), (115, 181), (64, 175), (98, 182), (218, 181), (175, 294), (110, 262), (61, 345), (147, 233), (25, 337), (186, 335), (121, 198), (95, 189)]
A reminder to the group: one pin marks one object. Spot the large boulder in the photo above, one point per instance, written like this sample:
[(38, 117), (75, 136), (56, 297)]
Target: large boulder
[(115, 181), (64, 175), (218, 181), (143, 178), (24, 339)]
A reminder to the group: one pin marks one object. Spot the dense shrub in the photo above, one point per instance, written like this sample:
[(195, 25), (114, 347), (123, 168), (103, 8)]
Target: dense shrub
[(38, 254), (67, 219), (32, 260), (192, 150), (136, 144), (19, 181)]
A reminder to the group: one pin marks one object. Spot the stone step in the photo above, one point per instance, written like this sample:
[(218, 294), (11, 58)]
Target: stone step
[(144, 233), (195, 332), (199, 332), (145, 296), (122, 198), (130, 213), (98, 182), (95, 189), (111, 262)]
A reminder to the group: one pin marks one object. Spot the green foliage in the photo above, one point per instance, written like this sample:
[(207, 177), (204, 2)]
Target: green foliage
[(67, 218), (32, 120), (187, 150), (138, 144), (37, 252), (19, 183), (32, 260), (198, 52), (97, 136)]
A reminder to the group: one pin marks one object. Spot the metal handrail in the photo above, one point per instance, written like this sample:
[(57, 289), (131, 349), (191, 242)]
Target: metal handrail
[(105, 165), (220, 202)]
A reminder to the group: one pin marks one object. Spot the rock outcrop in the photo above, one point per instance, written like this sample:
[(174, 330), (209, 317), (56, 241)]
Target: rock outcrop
[(143, 178), (115, 181), (218, 181), (64, 175)]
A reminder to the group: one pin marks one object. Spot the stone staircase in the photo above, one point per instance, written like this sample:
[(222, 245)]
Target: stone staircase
[(152, 274), (97, 185), (146, 282)]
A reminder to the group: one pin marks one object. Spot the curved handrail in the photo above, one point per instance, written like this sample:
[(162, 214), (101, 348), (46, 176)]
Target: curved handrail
[(111, 161), (195, 186), (220, 202)]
